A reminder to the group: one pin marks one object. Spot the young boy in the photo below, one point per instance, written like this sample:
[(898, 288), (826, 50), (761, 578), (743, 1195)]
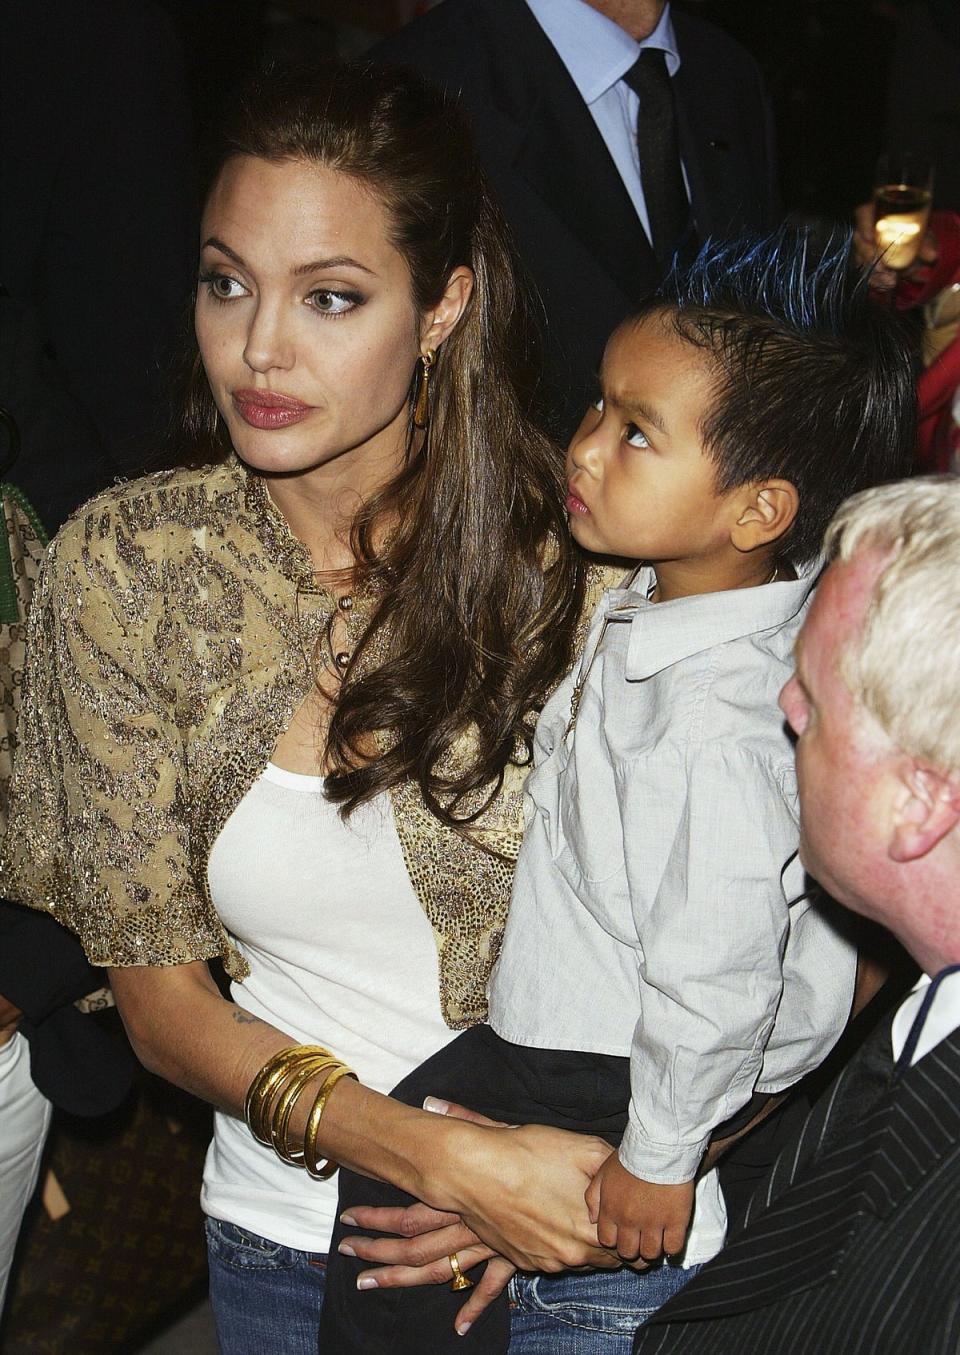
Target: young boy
[(663, 959)]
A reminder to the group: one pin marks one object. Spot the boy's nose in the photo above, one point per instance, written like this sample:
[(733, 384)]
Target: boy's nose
[(586, 451)]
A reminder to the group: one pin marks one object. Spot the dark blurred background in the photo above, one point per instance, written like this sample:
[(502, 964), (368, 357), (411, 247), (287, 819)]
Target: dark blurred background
[(847, 78)]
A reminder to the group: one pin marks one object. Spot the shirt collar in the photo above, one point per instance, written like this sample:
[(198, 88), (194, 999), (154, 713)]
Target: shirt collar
[(664, 633), (596, 51), (942, 1016)]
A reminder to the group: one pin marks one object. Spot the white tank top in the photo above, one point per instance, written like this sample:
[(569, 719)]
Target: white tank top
[(341, 954)]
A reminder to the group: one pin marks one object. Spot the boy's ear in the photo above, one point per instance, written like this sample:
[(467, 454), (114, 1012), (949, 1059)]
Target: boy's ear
[(926, 809), (767, 511)]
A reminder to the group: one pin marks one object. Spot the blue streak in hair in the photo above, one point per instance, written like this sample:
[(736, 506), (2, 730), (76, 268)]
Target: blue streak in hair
[(795, 276)]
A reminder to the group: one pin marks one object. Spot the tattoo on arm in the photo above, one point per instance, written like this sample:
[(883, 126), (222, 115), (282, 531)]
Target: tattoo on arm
[(243, 1018)]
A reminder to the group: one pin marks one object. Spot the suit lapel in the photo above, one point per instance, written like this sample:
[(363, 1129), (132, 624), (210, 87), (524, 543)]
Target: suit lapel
[(562, 156), (800, 1241), (722, 188)]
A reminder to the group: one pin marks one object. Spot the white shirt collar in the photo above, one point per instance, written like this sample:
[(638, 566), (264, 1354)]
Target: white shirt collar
[(596, 51), (942, 1019), (664, 633)]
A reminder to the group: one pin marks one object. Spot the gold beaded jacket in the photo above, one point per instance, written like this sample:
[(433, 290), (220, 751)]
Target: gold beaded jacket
[(171, 641)]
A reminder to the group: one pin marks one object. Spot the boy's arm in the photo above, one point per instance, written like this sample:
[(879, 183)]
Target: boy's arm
[(706, 843)]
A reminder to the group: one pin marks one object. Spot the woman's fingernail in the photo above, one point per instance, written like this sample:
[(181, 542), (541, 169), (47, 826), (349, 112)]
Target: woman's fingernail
[(367, 1282), (345, 1249), (349, 1220), (436, 1105), (464, 1328)]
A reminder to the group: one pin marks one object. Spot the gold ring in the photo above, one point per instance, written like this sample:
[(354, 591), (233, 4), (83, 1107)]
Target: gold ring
[(460, 1280)]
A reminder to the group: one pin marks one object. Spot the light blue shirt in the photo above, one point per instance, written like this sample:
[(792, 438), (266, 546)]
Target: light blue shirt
[(659, 910), (598, 53)]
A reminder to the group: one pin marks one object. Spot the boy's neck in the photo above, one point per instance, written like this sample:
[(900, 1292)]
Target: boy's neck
[(686, 578)]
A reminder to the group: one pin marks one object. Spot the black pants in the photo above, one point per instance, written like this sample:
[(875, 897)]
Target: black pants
[(585, 1093)]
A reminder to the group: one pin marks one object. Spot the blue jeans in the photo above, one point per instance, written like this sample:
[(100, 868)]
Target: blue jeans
[(594, 1313), (266, 1298)]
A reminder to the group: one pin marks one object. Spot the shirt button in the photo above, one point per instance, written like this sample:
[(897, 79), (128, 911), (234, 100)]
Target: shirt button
[(341, 659), (345, 603)]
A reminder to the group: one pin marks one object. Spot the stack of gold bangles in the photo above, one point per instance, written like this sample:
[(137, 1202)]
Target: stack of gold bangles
[(272, 1095)]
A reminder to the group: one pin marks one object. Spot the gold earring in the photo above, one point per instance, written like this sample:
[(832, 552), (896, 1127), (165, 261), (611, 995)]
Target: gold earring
[(421, 403)]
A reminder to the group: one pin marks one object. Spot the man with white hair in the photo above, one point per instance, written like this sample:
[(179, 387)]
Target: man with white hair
[(852, 1244)]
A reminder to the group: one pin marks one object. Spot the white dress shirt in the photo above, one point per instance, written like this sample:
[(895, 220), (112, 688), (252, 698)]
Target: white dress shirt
[(659, 907), (598, 53), (942, 1018)]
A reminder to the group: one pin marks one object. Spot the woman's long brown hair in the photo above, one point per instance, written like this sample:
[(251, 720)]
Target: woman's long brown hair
[(477, 630)]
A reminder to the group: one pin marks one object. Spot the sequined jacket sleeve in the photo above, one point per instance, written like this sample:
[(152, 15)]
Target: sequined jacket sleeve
[(98, 831)]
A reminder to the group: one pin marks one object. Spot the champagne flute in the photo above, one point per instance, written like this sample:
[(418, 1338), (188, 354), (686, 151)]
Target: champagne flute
[(901, 200)]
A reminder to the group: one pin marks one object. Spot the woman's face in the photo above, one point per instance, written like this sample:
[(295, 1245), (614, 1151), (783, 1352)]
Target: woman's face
[(305, 319)]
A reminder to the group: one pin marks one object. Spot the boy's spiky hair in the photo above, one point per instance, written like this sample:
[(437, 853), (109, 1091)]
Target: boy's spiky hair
[(815, 381)]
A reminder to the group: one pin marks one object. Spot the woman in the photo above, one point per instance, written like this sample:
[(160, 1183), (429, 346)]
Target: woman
[(343, 592)]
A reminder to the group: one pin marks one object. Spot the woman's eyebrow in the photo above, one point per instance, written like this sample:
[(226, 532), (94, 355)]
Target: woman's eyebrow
[(314, 266), (213, 243), (337, 261)]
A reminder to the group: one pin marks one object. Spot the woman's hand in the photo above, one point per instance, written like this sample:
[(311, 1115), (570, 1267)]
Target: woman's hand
[(515, 1186), (421, 1255), (521, 1189)]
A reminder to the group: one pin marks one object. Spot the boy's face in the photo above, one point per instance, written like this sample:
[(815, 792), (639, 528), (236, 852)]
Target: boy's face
[(640, 484)]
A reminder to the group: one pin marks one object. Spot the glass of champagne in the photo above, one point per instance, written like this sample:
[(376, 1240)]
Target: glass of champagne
[(901, 200)]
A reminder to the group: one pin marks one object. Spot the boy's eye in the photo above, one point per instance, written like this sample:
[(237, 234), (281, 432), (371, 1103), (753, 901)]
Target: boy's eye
[(635, 436), (598, 404)]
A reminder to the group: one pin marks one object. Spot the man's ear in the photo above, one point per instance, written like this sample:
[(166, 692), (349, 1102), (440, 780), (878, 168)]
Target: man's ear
[(766, 512), (440, 320), (926, 809)]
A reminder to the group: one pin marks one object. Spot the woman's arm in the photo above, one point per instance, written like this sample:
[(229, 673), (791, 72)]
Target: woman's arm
[(520, 1189)]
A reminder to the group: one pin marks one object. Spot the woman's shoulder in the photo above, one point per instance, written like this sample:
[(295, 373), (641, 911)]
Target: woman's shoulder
[(168, 502), (160, 491)]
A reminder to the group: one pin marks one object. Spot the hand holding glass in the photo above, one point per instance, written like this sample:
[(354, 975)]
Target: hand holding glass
[(901, 200)]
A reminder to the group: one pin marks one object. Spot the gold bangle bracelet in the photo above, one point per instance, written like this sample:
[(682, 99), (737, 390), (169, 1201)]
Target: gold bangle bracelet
[(302, 1073), (321, 1173), (263, 1087)]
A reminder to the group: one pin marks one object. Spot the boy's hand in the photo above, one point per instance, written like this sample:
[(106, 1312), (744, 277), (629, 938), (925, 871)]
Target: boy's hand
[(637, 1218)]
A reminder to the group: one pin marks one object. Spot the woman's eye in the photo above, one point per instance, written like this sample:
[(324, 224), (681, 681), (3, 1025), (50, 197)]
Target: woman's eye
[(635, 437), (334, 303), (221, 286), (598, 404)]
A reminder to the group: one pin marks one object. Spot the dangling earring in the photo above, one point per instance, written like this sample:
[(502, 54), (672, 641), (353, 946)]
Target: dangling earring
[(421, 403)]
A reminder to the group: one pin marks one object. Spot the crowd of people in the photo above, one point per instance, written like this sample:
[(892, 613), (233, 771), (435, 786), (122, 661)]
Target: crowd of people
[(512, 847)]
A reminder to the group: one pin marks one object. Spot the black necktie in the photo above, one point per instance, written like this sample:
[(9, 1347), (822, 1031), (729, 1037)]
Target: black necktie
[(659, 151)]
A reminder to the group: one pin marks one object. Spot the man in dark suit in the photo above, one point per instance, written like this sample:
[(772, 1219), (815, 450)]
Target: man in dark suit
[(597, 121), (852, 1244)]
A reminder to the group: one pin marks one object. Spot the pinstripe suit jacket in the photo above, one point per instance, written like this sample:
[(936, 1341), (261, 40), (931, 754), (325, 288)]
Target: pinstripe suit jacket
[(853, 1247)]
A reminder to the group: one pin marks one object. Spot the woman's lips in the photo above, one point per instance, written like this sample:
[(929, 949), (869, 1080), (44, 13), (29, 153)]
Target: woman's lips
[(575, 505), (268, 409)]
